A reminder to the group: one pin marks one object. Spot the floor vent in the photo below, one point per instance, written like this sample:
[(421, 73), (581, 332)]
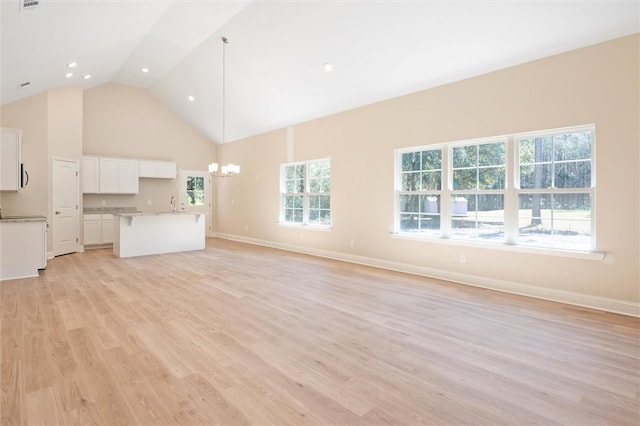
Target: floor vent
[(29, 4)]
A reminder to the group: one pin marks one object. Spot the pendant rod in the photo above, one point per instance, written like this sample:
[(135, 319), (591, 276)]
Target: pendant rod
[(224, 84)]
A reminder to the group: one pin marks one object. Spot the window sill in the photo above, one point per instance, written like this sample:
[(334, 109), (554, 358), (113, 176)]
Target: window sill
[(324, 228), (599, 256)]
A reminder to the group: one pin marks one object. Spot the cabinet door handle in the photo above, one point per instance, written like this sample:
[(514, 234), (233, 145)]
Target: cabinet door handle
[(57, 211)]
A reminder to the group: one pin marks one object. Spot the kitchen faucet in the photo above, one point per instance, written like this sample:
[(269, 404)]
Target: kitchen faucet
[(173, 204)]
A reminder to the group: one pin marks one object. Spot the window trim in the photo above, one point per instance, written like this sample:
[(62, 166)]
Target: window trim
[(511, 192), (305, 196)]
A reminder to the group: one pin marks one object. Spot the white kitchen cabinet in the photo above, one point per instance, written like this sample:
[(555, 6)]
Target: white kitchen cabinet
[(157, 169), (90, 175), (107, 229), (23, 247), (128, 175), (109, 179), (101, 175), (92, 229), (98, 229), (118, 176), (10, 159)]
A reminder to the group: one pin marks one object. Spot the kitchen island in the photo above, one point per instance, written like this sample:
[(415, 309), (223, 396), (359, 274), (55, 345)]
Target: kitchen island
[(141, 234)]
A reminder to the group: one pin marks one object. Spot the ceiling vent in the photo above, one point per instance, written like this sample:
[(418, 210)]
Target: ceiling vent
[(28, 4)]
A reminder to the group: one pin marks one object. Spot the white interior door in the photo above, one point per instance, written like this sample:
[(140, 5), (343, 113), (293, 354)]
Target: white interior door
[(65, 206), (195, 194)]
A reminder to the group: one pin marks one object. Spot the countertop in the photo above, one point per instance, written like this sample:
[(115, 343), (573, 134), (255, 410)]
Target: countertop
[(7, 219), (134, 214), (109, 210)]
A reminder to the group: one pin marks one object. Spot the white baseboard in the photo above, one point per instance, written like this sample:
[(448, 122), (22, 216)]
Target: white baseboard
[(562, 296)]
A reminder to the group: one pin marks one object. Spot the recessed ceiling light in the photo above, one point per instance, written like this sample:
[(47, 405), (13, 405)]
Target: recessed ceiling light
[(87, 76), (191, 98), (145, 70), (72, 64), (69, 75), (327, 67)]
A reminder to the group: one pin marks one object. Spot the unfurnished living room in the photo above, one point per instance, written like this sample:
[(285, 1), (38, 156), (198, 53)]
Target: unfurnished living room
[(319, 212)]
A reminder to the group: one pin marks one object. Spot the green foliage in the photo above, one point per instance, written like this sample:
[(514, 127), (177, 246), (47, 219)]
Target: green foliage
[(195, 190), (479, 166), (558, 161), (422, 170)]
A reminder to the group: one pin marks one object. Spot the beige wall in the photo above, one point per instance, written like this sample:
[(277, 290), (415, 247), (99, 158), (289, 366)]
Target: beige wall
[(65, 122), (30, 115), (51, 124), (598, 85), (110, 120), (122, 121)]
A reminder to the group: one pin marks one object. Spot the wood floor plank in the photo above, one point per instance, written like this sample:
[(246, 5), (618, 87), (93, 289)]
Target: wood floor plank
[(12, 398), (42, 408), (137, 393), (97, 385), (242, 334)]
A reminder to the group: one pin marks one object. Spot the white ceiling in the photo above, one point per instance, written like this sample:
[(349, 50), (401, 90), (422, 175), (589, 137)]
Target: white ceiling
[(274, 73)]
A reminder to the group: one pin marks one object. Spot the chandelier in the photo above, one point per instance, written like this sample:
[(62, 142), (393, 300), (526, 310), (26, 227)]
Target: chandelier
[(229, 169)]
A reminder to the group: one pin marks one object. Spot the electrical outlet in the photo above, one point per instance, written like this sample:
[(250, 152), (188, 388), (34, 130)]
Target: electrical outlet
[(463, 258), (149, 202), (104, 203), (352, 243)]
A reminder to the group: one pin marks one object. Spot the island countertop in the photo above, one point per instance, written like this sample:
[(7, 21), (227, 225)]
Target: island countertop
[(134, 214)]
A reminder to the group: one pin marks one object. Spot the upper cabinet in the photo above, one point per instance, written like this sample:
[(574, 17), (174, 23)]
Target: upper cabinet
[(10, 159), (128, 175), (109, 182), (102, 175), (90, 175), (157, 169)]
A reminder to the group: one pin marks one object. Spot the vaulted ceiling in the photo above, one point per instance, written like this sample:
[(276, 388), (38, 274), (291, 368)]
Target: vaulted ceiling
[(274, 74)]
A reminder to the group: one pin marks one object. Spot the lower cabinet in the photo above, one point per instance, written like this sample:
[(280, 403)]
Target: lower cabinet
[(98, 229), (107, 229), (23, 248)]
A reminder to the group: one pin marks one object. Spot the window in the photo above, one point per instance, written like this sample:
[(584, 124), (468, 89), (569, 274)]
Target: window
[(477, 198), (555, 190), (305, 194), (532, 189), (195, 191), (421, 184)]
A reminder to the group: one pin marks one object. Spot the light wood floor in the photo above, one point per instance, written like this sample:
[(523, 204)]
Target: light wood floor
[(239, 334)]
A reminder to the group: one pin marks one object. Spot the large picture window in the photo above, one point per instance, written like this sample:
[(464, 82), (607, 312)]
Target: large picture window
[(305, 193), (532, 189)]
